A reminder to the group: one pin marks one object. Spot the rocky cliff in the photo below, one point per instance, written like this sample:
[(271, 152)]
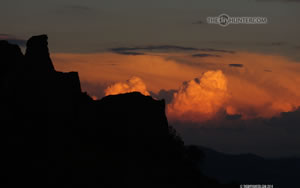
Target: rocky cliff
[(54, 134)]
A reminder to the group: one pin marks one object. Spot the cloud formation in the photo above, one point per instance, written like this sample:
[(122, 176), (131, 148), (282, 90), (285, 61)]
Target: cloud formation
[(236, 65), (205, 55), (168, 48), (200, 99), (167, 95), (129, 53), (131, 85), (249, 109), (128, 50), (217, 50), (264, 87)]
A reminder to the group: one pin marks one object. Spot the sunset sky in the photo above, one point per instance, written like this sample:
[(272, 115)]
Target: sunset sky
[(225, 87)]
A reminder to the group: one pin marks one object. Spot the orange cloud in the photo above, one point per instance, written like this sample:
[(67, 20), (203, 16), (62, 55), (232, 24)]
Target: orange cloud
[(199, 99), (108, 68), (264, 86), (131, 85)]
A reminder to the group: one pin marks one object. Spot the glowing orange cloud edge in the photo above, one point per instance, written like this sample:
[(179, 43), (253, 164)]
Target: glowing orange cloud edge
[(264, 86)]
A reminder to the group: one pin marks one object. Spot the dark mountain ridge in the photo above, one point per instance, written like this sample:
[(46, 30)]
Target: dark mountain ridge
[(52, 133), (250, 168)]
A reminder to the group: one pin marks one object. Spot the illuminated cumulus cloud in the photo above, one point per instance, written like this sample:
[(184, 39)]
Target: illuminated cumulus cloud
[(131, 85), (200, 99), (260, 85)]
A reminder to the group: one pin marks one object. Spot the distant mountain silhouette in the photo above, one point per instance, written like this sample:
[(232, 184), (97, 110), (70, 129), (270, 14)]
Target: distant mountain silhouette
[(250, 169), (54, 134)]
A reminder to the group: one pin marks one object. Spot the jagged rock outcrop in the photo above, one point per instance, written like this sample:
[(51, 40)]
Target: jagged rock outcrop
[(38, 109), (10, 56), (53, 134), (37, 55)]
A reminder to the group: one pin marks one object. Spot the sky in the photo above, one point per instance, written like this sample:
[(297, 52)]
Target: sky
[(235, 89)]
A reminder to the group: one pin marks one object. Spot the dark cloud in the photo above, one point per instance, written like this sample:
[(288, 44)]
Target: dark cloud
[(137, 50), (94, 89), (236, 65), (129, 53), (13, 40), (153, 48), (267, 70), (164, 94), (216, 50), (205, 55)]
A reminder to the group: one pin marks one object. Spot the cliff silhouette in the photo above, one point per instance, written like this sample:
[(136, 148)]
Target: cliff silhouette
[(52, 133)]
